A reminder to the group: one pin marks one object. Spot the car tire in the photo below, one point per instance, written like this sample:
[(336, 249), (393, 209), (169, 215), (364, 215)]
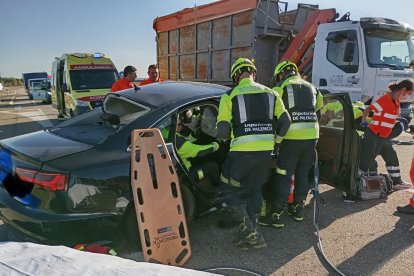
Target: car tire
[(188, 202), (129, 224)]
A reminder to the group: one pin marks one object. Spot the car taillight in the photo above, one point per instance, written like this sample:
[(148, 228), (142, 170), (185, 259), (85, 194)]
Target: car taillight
[(46, 180)]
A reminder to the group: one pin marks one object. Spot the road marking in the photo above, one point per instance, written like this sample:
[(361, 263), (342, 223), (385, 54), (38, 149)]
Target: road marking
[(36, 116), (47, 122), (12, 100)]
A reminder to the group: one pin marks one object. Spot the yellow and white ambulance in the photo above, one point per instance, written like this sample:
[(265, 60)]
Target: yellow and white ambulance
[(80, 81)]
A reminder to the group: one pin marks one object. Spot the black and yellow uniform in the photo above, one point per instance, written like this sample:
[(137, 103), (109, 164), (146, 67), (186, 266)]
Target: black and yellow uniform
[(297, 151), (247, 115), (249, 109), (191, 154)]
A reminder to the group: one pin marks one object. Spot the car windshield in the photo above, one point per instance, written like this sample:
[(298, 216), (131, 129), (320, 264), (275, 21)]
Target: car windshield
[(96, 126), (92, 79), (386, 48)]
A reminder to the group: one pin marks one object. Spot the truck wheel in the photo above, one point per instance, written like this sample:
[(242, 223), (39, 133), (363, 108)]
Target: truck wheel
[(129, 224)]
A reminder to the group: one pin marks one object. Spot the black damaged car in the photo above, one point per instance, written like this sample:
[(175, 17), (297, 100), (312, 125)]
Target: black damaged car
[(57, 182)]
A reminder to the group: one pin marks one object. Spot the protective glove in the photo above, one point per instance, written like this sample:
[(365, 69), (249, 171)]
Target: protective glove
[(403, 121), (276, 150)]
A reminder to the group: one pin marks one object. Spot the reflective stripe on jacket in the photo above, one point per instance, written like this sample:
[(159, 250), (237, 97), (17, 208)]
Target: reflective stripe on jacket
[(250, 109), (386, 111), (302, 99)]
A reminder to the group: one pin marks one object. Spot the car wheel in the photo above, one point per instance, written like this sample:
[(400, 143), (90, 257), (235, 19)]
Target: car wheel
[(188, 202), (129, 225)]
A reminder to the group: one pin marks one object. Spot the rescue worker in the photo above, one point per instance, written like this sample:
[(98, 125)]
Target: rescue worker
[(153, 75), (386, 110), (126, 82), (191, 153), (409, 209), (297, 150), (246, 115), (388, 153)]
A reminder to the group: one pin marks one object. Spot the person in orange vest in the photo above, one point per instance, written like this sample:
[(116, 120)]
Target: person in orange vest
[(153, 75), (126, 82), (409, 208), (385, 114)]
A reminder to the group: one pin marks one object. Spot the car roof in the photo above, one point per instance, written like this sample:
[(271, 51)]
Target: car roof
[(159, 94)]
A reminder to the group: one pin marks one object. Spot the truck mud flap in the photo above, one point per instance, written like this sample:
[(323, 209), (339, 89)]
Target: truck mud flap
[(158, 202)]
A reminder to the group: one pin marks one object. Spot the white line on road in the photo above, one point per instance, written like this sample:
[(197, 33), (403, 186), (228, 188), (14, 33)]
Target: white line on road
[(36, 116), (12, 100), (45, 120)]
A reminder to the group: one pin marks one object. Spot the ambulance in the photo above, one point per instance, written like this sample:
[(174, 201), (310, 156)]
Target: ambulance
[(80, 81)]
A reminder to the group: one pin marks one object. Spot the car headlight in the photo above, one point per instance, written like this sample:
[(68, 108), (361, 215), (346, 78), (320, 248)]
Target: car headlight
[(81, 103)]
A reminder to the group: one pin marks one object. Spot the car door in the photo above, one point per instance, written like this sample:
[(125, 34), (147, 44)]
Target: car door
[(338, 144)]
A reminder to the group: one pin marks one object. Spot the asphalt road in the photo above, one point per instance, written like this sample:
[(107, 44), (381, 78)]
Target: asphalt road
[(360, 238)]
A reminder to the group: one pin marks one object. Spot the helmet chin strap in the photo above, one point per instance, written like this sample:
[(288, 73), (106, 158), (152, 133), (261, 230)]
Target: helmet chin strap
[(235, 80)]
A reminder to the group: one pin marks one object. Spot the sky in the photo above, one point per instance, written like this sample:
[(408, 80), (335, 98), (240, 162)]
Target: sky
[(34, 32)]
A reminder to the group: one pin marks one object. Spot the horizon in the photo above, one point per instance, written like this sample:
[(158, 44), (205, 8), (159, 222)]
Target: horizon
[(41, 30)]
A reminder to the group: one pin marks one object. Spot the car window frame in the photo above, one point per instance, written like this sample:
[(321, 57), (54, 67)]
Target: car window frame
[(348, 162)]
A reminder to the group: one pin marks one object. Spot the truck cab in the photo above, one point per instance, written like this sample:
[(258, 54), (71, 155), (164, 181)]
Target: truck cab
[(39, 90), (35, 89), (32, 75), (363, 57), (80, 81)]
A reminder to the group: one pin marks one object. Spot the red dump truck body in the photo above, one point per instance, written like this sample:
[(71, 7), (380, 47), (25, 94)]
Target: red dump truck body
[(201, 43)]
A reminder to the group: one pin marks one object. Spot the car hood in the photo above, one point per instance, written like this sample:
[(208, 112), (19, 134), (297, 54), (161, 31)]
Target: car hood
[(43, 146)]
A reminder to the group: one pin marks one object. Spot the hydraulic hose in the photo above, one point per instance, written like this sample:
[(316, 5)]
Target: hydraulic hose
[(316, 201), (316, 214), (232, 269)]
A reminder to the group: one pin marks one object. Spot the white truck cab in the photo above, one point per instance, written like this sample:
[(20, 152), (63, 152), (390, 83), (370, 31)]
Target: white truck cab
[(35, 89), (363, 57), (39, 90)]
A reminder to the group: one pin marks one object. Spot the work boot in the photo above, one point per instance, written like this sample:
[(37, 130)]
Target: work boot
[(276, 217), (249, 234), (399, 184), (244, 225), (295, 210)]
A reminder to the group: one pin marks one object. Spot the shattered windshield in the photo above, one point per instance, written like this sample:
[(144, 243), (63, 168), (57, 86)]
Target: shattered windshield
[(96, 126), (386, 48)]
